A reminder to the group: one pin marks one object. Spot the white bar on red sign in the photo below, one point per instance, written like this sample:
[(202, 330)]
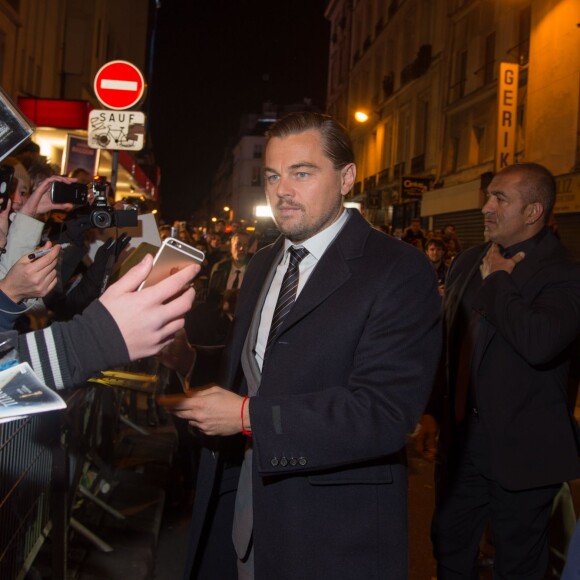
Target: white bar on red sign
[(118, 85)]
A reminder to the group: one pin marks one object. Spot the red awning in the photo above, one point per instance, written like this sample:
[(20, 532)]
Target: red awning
[(58, 113)]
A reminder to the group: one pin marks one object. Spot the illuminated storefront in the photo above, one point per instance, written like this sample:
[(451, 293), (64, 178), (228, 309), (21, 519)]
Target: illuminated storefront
[(61, 133)]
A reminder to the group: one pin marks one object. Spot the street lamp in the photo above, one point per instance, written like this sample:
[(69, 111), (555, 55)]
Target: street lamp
[(361, 116)]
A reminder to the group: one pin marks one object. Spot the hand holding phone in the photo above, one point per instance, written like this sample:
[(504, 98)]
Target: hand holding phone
[(173, 256)]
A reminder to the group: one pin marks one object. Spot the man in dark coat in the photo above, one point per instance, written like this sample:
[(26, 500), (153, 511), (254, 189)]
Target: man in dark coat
[(508, 436), (229, 273), (333, 392)]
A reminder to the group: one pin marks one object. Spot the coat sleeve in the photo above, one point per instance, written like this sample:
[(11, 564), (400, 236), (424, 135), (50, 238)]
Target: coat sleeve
[(66, 354), (541, 328)]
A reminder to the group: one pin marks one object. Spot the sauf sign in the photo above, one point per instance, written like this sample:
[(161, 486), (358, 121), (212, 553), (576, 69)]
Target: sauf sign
[(116, 130), (507, 109), (119, 85)]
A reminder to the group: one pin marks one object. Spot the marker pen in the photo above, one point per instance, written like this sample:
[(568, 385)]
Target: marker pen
[(40, 253)]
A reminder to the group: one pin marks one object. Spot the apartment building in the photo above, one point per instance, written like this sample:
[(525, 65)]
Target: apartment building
[(50, 52), (429, 75)]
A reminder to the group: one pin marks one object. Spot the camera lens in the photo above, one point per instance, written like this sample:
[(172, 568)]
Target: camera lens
[(101, 219)]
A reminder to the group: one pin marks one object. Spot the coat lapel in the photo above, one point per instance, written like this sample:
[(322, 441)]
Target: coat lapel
[(250, 292), (332, 271), (454, 296)]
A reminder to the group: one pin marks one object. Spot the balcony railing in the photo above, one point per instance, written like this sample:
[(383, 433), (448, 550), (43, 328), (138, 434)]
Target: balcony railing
[(419, 66)]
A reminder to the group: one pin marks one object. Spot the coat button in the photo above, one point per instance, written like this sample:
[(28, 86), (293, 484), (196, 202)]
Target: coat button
[(293, 461), (302, 461), (274, 462), (283, 462)]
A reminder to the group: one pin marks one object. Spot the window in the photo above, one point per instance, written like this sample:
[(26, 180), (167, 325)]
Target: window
[(489, 59), (525, 24), (421, 126), (387, 144), (256, 175), (403, 136), (461, 40), (461, 74)]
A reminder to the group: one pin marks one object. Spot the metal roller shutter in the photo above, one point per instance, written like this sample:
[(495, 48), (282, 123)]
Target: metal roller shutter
[(469, 226)]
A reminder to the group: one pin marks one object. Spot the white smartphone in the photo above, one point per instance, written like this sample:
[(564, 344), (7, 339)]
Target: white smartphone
[(172, 256)]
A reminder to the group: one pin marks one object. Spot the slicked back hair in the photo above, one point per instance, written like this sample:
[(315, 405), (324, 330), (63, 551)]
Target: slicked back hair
[(335, 139)]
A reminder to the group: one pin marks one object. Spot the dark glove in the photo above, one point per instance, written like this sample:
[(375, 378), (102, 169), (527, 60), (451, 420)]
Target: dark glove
[(73, 230), (95, 279), (105, 259)]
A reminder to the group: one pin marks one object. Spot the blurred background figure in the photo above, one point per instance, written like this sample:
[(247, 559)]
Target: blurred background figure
[(81, 175), (230, 272), (435, 250), (414, 234), (451, 241), (21, 183)]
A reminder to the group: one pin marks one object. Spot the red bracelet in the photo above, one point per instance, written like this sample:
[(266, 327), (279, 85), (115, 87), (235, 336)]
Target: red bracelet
[(244, 430)]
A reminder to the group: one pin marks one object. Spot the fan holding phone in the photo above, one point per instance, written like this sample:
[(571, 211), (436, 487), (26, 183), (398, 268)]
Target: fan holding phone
[(173, 256)]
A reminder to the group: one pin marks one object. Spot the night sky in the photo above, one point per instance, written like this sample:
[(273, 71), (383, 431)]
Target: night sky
[(216, 60)]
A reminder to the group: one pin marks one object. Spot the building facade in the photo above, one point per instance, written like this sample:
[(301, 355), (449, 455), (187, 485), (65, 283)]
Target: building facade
[(429, 75), (49, 55)]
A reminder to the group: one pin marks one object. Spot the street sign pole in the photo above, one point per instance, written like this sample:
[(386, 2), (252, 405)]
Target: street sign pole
[(114, 169), (119, 85)]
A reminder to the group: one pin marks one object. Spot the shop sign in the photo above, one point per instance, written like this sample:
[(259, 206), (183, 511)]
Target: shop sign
[(414, 187), (567, 193), (507, 109)]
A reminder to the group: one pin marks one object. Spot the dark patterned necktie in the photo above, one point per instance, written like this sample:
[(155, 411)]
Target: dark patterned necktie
[(287, 295), (236, 281)]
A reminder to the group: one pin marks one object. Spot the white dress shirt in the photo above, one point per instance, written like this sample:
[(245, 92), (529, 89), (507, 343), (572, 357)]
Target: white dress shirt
[(316, 246)]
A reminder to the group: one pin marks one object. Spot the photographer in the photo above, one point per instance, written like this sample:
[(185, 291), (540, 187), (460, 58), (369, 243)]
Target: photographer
[(25, 230), (80, 285)]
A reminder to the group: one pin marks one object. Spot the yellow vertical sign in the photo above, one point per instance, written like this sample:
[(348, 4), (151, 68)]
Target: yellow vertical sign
[(507, 111)]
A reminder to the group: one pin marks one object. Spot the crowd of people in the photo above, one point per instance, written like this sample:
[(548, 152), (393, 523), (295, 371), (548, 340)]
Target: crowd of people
[(46, 280), (304, 365)]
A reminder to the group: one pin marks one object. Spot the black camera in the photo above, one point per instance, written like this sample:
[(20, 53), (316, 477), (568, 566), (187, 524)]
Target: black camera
[(103, 215), (98, 213)]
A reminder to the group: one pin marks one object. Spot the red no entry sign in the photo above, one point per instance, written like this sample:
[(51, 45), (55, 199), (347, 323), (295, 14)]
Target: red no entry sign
[(119, 85)]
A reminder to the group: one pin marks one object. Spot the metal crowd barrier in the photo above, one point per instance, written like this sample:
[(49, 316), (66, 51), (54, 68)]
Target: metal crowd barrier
[(47, 463), (26, 447)]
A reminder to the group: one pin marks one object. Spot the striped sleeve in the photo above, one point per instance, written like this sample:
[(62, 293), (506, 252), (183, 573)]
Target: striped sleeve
[(66, 354)]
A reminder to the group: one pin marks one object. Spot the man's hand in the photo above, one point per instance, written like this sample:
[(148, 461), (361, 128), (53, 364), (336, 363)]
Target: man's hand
[(31, 278), (494, 261), (425, 437), (149, 319), (211, 409), (39, 201)]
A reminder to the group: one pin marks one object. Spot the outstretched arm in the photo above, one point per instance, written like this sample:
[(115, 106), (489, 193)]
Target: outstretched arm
[(123, 325)]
